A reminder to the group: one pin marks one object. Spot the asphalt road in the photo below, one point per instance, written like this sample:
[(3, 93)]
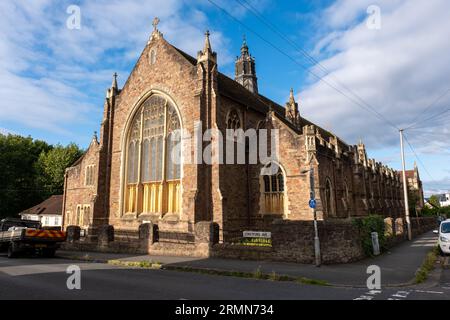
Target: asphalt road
[(36, 278)]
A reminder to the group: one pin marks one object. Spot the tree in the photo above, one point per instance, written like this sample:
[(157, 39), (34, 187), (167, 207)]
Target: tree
[(434, 200), (30, 171), (413, 201), (18, 189), (52, 164)]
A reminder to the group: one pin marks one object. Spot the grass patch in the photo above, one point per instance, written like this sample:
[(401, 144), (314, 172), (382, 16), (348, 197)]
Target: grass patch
[(309, 281), (427, 266), (257, 274), (136, 264), (274, 276)]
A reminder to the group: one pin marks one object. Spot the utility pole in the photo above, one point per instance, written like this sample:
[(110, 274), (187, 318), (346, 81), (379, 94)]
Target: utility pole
[(405, 187), (312, 205)]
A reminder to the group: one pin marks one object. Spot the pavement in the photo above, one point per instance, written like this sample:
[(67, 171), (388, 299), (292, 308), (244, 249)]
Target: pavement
[(398, 266)]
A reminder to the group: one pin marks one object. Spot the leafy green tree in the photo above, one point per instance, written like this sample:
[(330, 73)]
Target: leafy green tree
[(18, 189), (434, 200), (52, 164), (413, 202), (30, 171)]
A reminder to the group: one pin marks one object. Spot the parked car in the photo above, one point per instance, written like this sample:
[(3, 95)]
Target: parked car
[(444, 237)]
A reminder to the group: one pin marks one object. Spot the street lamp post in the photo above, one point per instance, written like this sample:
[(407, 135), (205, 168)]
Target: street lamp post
[(312, 205)]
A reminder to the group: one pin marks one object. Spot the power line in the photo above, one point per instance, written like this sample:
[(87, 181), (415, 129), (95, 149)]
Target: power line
[(428, 119), (418, 159), (302, 66), (421, 130), (261, 18), (414, 122)]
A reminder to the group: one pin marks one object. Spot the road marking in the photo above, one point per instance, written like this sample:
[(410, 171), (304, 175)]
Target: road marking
[(374, 292), (401, 294), (432, 292), (363, 297), (22, 270), (368, 295)]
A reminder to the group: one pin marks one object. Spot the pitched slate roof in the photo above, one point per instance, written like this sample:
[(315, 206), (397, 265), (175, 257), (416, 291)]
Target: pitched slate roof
[(235, 91), (409, 174), (52, 205)]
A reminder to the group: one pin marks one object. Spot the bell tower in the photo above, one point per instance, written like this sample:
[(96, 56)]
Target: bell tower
[(245, 71)]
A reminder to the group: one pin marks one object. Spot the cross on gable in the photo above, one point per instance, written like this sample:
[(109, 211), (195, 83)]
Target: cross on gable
[(155, 23)]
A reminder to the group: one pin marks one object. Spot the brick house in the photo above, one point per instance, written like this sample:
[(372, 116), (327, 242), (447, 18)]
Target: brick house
[(415, 187), (126, 179)]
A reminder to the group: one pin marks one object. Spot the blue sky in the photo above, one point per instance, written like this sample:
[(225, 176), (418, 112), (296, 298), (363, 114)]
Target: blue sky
[(53, 79)]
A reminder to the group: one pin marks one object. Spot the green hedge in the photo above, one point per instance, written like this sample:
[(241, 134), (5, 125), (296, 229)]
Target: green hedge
[(434, 212), (367, 225)]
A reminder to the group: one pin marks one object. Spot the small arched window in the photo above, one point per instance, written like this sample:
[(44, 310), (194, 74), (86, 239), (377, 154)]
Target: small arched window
[(86, 215), (79, 217), (152, 56), (89, 176), (346, 192), (273, 193), (234, 121), (329, 198)]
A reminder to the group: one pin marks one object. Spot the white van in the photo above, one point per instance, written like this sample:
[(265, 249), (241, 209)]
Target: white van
[(444, 237)]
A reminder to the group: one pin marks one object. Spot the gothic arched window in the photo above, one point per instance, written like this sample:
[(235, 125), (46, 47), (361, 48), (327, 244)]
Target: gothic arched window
[(234, 121), (273, 193), (154, 159), (329, 198)]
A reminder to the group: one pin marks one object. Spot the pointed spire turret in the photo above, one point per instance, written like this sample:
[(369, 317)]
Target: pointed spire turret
[(207, 54), (244, 48), (207, 47), (114, 82), (114, 90), (291, 96), (245, 71), (292, 113), (362, 154)]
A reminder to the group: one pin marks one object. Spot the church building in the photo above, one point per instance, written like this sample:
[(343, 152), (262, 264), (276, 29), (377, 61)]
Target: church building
[(126, 178)]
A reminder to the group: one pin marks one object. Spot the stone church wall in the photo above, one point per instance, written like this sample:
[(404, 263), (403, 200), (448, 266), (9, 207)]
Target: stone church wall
[(77, 193), (175, 77)]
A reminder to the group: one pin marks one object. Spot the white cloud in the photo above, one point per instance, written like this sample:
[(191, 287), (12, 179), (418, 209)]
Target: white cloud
[(438, 187), (399, 69), (52, 77)]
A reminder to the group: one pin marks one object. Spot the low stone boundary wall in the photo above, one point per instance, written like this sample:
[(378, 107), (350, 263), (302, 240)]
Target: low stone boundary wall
[(396, 229), (147, 239), (340, 241), (292, 241)]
